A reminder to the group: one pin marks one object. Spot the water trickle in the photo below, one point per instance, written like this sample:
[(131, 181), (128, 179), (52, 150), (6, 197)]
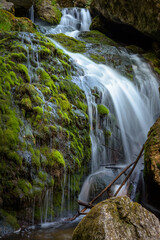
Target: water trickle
[(31, 13)]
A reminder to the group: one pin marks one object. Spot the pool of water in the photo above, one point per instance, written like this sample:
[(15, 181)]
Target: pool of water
[(48, 231)]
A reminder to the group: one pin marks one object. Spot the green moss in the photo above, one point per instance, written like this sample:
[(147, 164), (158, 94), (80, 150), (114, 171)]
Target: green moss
[(56, 158), (45, 79), (97, 58), (107, 133), (44, 52), (5, 21), (154, 61), (13, 156), (42, 176), (82, 106), (25, 186), (24, 71), (26, 103), (63, 102), (18, 57), (71, 44), (96, 37), (10, 219), (103, 110), (38, 110), (8, 22)]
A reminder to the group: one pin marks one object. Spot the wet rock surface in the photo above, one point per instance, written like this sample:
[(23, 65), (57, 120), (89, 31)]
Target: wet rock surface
[(22, 3), (118, 218), (142, 15)]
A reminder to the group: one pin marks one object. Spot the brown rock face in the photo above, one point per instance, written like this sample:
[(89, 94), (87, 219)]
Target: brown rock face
[(118, 218), (152, 154), (8, 6), (66, 3), (143, 15), (22, 3)]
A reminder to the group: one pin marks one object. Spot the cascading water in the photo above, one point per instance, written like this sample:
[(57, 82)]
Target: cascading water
[(73, 20), (116, 138), (132, 104)]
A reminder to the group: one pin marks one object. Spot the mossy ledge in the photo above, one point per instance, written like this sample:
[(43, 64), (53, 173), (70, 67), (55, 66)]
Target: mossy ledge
[(44, 125)]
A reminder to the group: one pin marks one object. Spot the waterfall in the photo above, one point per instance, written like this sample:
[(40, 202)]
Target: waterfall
[(133, 105), (73, 20), (31, 13)]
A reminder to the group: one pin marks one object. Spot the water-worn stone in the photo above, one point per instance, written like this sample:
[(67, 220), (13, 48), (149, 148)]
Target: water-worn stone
[(143, 15), (118, 218)]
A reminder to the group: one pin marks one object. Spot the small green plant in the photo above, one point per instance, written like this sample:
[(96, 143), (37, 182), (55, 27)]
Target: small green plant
[(103, 110)]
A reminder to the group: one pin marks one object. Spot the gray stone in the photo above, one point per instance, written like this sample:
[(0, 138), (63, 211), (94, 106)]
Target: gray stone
[(118, 218)]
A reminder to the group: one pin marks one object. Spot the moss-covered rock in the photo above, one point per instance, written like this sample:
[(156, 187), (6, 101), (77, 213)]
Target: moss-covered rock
[(71, 44), (103, 110), (44, 126), (153, 60), (47, 10), (96, 37), (8, 22), (118, 218), (152, 156), (152, 165)]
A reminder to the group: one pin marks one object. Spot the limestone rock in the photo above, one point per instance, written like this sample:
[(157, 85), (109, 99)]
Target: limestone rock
[(47, 11), (8, 6), (118, 218), (22, 3), (143, 15)]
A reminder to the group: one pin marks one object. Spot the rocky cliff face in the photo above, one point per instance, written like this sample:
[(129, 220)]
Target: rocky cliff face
[(152, 164), (22, 3), (118, 218), (143, 15)]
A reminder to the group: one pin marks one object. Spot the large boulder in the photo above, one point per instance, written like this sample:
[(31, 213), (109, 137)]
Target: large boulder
[(118, 218), (48, 11), (22, 3), (143, 15), (8, 6)]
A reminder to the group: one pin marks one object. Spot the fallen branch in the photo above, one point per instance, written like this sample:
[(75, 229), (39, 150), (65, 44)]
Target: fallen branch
[(89, 205), (128, 176), (114, 180), (82, 203)]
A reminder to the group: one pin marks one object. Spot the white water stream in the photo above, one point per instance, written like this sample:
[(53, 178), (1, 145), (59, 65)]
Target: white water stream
[(134, 104)]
